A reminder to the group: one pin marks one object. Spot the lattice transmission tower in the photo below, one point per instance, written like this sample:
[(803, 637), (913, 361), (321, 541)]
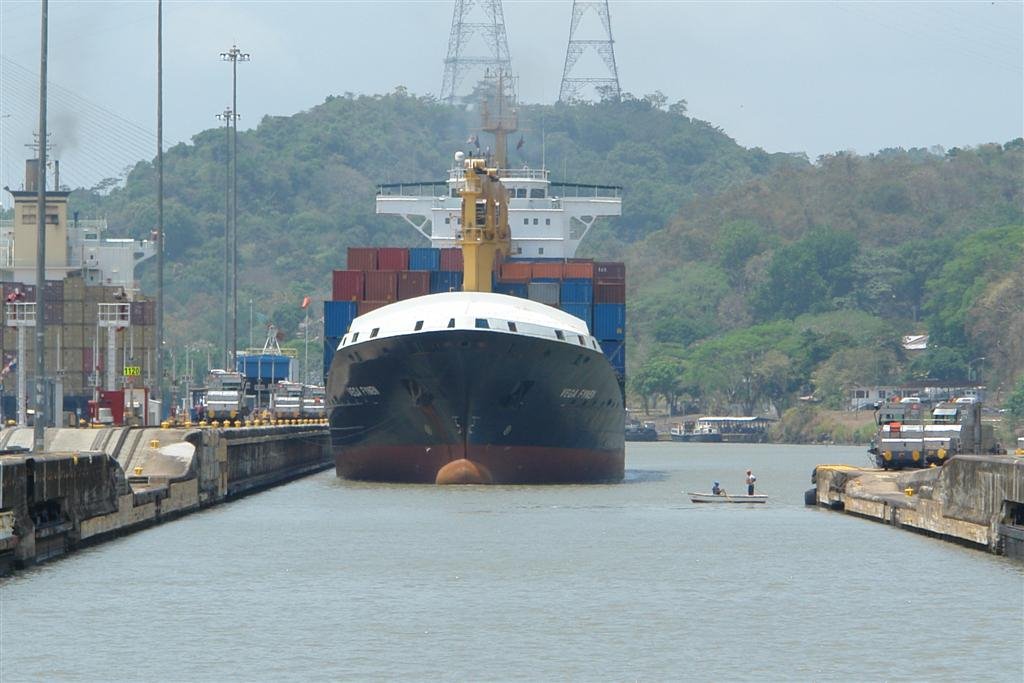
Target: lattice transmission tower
[(484, 20), (607, 85)]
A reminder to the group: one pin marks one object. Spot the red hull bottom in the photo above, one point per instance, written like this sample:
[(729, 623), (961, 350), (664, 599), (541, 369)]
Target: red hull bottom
[(502, 464)]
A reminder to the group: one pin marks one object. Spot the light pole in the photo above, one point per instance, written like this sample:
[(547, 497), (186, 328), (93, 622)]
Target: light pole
[(234, 55), (227, 116), (970, 368), (40, 397)]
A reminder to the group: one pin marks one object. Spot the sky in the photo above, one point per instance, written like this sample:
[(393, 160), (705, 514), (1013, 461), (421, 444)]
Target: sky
[(813, 77)]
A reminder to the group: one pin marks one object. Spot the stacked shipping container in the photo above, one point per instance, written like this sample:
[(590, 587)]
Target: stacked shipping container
[(70, 310), (594, 292)]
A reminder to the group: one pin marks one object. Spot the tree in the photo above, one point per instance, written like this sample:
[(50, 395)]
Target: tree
[(660, 376)]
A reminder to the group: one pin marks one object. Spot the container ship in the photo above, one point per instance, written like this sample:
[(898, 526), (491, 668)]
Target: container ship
[(492, 356)]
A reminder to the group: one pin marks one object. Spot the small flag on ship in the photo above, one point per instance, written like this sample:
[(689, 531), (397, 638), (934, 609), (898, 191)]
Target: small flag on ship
[(305, 302), (519, 145)]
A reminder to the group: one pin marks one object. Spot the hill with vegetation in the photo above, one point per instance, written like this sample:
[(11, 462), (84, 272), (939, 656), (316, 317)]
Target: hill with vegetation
[(754, 278)]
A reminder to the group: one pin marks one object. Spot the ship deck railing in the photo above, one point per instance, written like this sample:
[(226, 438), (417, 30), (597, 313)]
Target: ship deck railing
[(557, 190)]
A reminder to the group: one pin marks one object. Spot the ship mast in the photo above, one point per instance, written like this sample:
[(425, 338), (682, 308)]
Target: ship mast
[(485, 237)]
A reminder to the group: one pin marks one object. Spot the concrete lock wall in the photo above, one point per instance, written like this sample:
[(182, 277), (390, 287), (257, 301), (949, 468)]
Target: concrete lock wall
[(974, 499), (92, 484)]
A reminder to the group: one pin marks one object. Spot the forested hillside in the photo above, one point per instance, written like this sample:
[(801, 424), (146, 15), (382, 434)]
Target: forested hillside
[(802, 282), (754, 277)]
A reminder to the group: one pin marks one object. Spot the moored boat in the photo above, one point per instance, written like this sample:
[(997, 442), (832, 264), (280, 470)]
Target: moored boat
[(641, 431), (694, 432)]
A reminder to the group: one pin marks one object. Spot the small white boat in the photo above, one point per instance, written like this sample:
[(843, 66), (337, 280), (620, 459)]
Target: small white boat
[(726, 498)]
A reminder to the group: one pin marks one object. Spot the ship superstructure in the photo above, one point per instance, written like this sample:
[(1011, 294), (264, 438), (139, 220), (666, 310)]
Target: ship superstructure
[(547, 219)]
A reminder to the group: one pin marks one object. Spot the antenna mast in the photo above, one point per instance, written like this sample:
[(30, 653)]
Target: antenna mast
[(607, 86), (488, 23)]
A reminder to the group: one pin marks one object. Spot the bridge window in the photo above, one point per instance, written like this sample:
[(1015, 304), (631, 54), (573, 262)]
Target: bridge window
[(419, 325), (536, 221), (451, 323), (540, 251), (373, 332), (526, 221), (355, 336), (512, 327), (447, 221), (583, 342), (537, 193), (560, 335), (481, 323), (547, 221), (521, 193)]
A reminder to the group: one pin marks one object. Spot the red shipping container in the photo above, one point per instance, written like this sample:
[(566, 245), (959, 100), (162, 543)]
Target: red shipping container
[(381, 285), (413, 283), (362, 258), (515, 271), (579, 270), (610, 271), (365, 307), (609, 292), (548, 270), (451, 259), (392, 258), (347, 285)]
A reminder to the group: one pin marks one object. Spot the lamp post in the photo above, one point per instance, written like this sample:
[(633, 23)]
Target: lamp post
[(970, 368), (227, 116), (234, 55)]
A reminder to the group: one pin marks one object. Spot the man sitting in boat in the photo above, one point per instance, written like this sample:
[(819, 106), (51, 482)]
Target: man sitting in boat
[(717, 490)]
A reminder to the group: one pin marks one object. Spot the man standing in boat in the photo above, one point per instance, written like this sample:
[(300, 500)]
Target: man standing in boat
[(750, 483)]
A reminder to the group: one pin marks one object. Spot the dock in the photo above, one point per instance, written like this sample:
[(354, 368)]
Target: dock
[(974, 500), (90, 485)]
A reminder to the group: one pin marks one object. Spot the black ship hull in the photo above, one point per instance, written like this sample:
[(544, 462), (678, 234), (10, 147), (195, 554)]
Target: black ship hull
[(513, 409)]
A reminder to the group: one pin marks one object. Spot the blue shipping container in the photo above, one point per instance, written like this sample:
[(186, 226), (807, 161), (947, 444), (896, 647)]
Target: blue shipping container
[(330, 344), (445, 281), (577, 291), (264, 367), (581, 311), (610, 321), (511, 289), (424, 258), (338, 315), (615, 352)]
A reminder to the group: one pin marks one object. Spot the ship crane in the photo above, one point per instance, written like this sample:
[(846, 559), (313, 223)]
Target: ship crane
[(485, 237)]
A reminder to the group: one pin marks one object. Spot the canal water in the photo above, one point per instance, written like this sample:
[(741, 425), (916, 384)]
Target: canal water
[(327, 579)]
